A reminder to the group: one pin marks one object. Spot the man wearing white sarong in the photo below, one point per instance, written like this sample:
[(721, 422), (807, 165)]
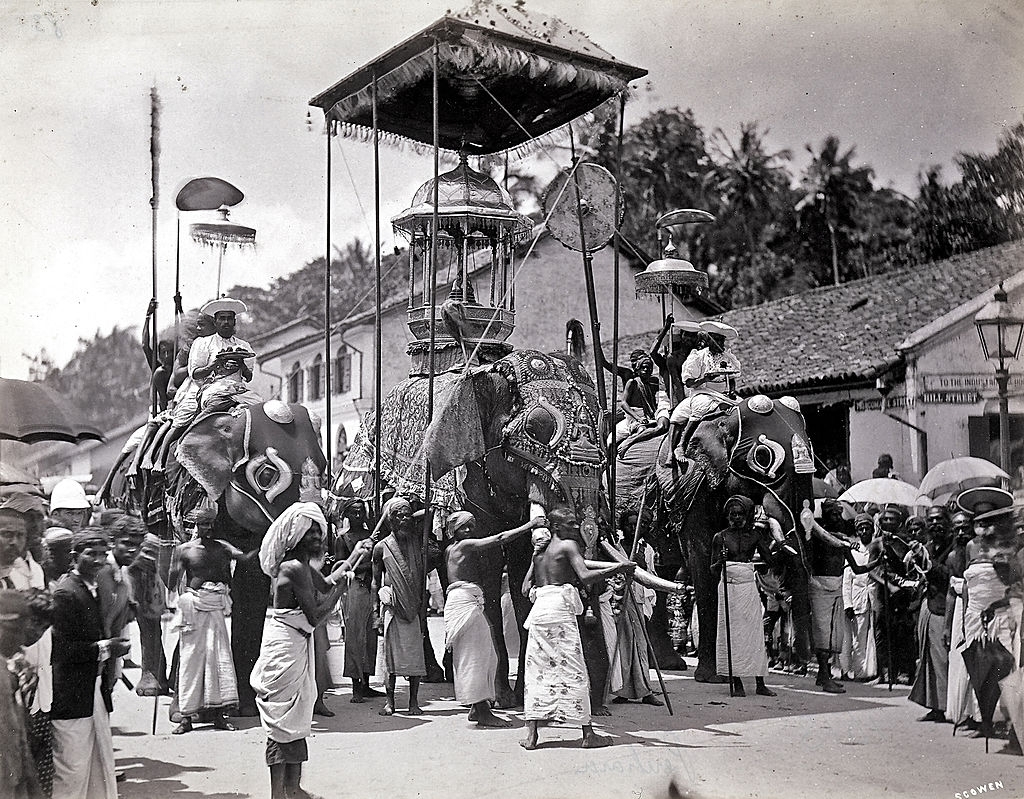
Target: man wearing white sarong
[(961, 704), (283, 677), (861, 604), (206, 672), (83, 749), (467, 631), (740, 648), (556, 684), (206, 679)]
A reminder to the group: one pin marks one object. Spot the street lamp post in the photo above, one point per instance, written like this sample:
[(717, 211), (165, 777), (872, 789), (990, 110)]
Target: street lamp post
[(1000, 333)]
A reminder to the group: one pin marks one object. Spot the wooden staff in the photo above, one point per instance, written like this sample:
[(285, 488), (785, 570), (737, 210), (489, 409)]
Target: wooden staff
[(728, 628)]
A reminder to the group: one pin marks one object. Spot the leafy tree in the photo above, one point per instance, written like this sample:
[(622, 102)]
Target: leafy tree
[(985, 207)]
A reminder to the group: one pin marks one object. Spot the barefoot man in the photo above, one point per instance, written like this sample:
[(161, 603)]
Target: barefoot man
[(399, 572), (206, 672), (557, 687), (466, 629)]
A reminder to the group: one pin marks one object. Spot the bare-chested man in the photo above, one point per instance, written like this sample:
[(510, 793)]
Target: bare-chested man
[(206, 673), (830, 553), (466, 629), (741, 650), (557, 689)]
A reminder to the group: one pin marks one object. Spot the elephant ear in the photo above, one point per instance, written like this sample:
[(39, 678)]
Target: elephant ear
[(210, 449), (707, 456), (455, 436)]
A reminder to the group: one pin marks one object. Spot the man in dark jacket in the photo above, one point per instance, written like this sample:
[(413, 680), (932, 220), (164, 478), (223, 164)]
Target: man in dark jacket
[(83, 756)]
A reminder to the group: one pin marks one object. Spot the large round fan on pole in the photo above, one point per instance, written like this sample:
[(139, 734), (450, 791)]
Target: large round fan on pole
[(31, 412), (596, 207)]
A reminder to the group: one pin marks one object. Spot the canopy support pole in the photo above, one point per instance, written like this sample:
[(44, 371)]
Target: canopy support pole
[(327, 325), (615, 314), (377, 315), (154, 203)]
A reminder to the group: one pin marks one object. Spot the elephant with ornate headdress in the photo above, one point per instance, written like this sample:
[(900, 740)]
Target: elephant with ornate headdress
[(755, 447), (518, 432), (249, 462)]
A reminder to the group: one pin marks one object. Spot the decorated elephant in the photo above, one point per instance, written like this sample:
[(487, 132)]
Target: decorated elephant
[(521, 430), (755, 447), (250, 461)]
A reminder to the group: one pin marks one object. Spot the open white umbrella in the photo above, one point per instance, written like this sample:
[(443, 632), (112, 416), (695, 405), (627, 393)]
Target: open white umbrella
[(950, 477), (882, 490)]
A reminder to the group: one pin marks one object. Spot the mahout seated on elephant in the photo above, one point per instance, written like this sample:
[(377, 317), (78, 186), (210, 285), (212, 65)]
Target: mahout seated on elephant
[(758, 449)]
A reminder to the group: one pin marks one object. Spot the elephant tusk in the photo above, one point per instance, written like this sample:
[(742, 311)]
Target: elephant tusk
[(642, 576)]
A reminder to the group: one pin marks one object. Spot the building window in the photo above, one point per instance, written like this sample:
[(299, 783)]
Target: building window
[(295, 383), (343, 371), (316, 378)]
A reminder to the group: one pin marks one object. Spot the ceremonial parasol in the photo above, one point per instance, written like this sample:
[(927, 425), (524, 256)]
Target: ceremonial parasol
[(32, 412), (882, 490), (951, 477), (222, 234), (672, 273)]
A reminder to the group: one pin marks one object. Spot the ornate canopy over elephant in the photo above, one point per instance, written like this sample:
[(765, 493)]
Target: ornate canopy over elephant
[(757, 448)]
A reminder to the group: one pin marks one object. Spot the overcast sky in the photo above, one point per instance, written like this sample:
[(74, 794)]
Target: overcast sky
[(908, 82)]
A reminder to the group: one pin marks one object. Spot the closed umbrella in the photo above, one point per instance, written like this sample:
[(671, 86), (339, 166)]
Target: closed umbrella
[(950, 477), (882, 490), (988, 662), (31, 412)]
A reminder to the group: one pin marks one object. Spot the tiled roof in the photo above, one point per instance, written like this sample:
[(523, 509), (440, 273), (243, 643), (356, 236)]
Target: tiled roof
[(849, 333)]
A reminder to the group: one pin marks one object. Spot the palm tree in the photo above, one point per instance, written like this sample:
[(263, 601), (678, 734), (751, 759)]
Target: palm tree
[(746, 179), (832, 189)]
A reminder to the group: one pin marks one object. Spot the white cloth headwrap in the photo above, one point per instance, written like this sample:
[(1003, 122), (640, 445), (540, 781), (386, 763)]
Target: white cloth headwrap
[(286, 531)]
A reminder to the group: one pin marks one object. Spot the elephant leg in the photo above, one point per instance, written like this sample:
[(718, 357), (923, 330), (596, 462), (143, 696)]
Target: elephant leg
[(154, 662), (504, 696), (800, 608), (706, 596), (250, 593), (659, 628), (434, 671), (595, 654)]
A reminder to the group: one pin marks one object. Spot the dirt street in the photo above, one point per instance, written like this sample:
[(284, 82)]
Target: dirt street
[(803, 743)]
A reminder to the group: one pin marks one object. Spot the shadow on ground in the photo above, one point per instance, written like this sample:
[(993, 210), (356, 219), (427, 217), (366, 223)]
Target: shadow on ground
[(146, 778)]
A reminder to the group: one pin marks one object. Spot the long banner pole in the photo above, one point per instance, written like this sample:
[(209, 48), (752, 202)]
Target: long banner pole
[(154, 204), (377, 361)]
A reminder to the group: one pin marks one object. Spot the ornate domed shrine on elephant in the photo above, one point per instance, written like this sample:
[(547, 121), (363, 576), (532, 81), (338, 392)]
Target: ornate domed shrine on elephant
[(476, 224)]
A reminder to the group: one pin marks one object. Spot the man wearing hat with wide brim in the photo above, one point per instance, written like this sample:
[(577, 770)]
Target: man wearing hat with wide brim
[(203, 361)]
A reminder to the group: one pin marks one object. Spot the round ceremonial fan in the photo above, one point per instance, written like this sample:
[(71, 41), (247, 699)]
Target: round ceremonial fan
[(596, 207)]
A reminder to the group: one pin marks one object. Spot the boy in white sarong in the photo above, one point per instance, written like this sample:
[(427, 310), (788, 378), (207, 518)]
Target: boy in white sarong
[(283, 677), (466, 629), (557, 687), (741, 651)]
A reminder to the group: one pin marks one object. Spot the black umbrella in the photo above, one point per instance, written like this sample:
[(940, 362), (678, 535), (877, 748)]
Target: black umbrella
[(987, 662), (32, 412)]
